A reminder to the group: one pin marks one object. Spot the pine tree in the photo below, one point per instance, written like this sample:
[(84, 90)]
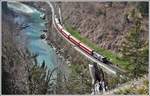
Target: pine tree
[(134, 49)]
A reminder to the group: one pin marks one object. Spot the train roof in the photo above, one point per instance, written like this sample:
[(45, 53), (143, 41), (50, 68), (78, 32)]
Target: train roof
[(86, 46), (75, 39), (66, 32), (59, 26), (56, 19)]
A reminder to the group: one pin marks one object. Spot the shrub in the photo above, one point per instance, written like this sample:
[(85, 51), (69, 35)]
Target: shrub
[(143, 7)]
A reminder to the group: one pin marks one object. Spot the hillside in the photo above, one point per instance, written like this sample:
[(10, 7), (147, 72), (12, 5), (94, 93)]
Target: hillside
[(103, 23), (116, 30)]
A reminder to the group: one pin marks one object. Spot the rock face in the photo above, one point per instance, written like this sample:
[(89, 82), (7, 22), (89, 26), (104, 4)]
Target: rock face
[(103, 23)]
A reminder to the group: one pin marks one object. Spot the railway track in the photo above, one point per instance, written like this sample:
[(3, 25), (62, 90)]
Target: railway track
[(108, 68)]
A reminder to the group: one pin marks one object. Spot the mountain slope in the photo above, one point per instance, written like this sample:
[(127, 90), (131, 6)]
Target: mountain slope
[(103, 23)]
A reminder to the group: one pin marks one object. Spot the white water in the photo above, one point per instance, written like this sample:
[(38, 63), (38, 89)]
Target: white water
[(30, 16)]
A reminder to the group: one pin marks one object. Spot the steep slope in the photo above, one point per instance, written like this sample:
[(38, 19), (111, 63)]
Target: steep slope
[(103, 23), (14, 60)]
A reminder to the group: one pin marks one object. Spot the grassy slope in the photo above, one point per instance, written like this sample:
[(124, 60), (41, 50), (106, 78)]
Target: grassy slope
[(115, 59)]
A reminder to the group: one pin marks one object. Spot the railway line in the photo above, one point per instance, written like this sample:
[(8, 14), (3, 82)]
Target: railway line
[(80, 47)]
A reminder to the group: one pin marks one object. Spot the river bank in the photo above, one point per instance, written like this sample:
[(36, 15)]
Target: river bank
[(22, 32)]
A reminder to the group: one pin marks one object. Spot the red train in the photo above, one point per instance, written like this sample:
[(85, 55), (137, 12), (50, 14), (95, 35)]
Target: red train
[(78, 43)]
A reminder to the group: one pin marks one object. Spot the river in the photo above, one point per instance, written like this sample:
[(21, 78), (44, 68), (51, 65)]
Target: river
[(29, 18)]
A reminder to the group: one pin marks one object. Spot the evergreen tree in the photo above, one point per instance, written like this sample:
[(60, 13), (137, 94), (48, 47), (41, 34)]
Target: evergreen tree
[(134, 49), (143, 8), (40, 81)]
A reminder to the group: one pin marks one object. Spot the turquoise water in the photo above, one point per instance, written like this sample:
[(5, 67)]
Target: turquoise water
[(31, 17)]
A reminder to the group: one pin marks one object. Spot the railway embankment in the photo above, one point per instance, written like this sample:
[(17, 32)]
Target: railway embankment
[(79, 23), (105, 26)]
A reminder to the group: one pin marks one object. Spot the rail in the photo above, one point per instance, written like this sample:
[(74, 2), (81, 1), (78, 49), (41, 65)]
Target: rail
[(107, 68)]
